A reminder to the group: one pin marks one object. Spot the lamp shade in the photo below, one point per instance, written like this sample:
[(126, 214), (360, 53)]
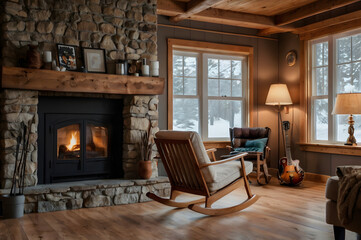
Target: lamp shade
[(278, 94), (347, 103)]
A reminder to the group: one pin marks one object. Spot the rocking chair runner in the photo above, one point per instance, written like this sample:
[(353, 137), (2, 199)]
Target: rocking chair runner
[(190, 171)]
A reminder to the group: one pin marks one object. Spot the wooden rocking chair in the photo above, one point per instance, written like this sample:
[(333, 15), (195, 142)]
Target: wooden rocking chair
[(190, 171)]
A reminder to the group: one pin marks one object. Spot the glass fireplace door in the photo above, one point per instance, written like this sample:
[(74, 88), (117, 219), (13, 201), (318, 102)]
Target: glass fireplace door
[(79, 147), (68, 142), (96, 141)]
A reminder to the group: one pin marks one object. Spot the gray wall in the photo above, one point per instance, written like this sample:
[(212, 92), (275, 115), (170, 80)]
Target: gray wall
[(265, 68), (313, 162)]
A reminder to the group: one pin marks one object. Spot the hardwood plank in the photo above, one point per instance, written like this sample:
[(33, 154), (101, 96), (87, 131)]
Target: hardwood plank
[(36, 227), (48, 80), (281, 213), (310, 10), (64, 225), (194, 7)]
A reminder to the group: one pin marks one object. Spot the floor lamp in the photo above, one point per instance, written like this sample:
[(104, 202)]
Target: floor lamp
[(348, 103), (278, 95)]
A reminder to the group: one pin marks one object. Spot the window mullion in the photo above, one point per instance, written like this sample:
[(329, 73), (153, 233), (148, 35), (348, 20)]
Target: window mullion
[(204, 96), (331, 88)]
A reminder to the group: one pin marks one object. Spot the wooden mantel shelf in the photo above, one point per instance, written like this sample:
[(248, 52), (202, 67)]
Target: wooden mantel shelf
[(49, 80)]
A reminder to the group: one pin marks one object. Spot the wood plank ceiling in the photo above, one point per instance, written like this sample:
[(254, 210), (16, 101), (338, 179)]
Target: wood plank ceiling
[(302, 17)]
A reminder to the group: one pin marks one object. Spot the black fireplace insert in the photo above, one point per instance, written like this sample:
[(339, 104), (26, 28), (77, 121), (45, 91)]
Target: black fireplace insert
[(79, 139)]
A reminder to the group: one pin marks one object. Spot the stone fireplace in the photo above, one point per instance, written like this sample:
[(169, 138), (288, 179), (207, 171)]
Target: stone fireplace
[(126, 30)]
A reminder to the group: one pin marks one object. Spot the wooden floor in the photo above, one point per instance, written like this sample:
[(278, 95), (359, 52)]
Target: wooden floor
[(281, 213)]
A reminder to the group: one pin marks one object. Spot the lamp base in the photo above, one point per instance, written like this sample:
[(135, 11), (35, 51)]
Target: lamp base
[(351, 144), (351, 140)]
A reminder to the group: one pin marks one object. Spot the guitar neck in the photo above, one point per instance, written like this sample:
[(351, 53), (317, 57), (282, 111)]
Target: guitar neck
[(288, 148)]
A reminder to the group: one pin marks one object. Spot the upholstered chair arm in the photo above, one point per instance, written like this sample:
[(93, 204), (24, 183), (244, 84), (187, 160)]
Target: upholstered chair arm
[(235, 157)]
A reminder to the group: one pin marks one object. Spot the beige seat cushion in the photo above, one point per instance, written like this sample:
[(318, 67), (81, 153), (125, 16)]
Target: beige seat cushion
[(202, 156), (227, 173)]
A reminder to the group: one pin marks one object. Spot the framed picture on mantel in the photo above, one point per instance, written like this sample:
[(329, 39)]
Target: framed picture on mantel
[(94, 60), (67, 56)]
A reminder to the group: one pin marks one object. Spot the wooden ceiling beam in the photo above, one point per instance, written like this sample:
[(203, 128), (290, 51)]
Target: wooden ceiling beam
[(170, 8), (273, 30), (310, 10), (327, 30), (194, 7), (329, 22)]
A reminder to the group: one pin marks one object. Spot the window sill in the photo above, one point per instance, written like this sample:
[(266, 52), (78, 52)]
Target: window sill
[(331, 148), (216, 144)]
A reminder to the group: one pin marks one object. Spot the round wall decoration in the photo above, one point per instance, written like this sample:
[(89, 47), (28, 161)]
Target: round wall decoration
[(291, 58)]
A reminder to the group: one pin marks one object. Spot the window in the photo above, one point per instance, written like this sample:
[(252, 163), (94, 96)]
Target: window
[(334, 64), (208, 89)]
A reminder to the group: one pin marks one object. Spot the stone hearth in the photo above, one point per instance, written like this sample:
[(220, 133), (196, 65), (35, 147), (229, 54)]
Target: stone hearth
[(94, 193)]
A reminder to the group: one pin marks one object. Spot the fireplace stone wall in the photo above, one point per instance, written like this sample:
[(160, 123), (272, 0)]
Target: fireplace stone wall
[(126, 29), (18, 106)]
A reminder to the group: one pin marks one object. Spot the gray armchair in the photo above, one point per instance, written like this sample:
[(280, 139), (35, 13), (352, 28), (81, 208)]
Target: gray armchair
[(332, 216)]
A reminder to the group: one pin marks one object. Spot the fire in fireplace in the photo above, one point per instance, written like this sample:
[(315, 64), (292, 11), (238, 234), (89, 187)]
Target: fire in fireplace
[(68, 142), (80, 139)]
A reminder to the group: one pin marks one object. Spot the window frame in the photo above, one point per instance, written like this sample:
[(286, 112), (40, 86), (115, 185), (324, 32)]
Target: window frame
[(332, 87), (243, 99), (209, 48)]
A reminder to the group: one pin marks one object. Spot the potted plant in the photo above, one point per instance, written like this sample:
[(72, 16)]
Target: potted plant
[(145, 147), (13, 203)]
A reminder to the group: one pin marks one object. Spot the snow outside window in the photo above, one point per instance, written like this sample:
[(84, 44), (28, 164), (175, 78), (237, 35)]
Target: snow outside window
[(335, 66), (209, 93)]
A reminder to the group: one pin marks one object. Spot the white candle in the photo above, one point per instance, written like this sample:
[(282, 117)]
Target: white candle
[(145, 70), (154, 65), (47, 56), (154, 72)]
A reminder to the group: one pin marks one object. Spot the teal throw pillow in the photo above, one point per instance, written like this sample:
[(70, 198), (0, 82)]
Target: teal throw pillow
[(258, 144), (246, 149)]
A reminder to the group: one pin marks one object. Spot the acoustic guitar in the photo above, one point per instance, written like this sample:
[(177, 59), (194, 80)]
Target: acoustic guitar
[(289, 171)]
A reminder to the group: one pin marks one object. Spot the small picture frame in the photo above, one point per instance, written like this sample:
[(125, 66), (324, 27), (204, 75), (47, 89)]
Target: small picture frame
[(94, 60), (291, 58), (67, 56)]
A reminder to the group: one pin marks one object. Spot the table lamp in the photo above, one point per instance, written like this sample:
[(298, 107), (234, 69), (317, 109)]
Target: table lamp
[(348, 103)]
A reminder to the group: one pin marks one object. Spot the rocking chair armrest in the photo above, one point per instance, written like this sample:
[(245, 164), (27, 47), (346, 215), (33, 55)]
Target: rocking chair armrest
[(268, 150), (235, 157), (211, 150)]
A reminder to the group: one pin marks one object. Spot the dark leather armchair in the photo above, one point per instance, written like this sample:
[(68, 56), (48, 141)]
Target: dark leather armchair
[(241, 141)]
